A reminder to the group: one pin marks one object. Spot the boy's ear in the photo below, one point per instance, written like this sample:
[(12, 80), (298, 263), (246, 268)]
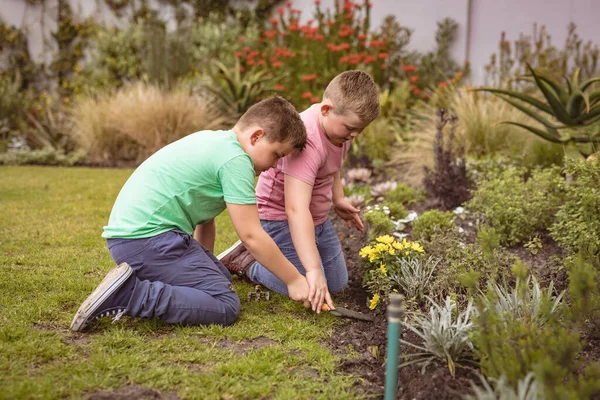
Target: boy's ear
[(256, 134), (326, 107)]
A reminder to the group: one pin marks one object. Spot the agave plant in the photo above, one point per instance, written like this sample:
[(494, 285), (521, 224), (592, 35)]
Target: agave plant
[(572, 106), (238, 91)]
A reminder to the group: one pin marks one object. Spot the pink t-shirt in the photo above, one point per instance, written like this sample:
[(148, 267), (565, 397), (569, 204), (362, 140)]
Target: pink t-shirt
[(316, 165)]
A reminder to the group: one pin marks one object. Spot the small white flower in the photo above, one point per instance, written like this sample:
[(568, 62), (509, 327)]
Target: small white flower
[(400, 235), (460, 230), (459, 210)]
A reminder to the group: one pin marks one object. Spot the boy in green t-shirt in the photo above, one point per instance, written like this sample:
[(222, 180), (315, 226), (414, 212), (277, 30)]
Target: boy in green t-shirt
[(170, 200)]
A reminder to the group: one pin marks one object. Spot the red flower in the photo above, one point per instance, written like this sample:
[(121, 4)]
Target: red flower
[(280, 11), (238, 54), (317, 2), (443, 84), (319, 38), (311, 77), (276, 64), (369, 5), (409, 68), (344, 46), (383, 56), (279, 87), (274, 21), (314, 99), (288, 4), (362, 36), (414, 78), (416, 91), (307, 95), (330, 22)]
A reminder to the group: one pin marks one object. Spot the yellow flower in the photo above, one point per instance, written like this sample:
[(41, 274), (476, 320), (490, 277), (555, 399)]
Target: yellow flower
[(374, 301), (381, 248), (392, 252), (397, 245), (382, 268), (366, 251), (405, 243), (388, 239), (406, 253), (417, 247)]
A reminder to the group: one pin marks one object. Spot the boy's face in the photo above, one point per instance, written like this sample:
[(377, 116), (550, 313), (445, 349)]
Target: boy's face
[(340, 128), (265, 153)]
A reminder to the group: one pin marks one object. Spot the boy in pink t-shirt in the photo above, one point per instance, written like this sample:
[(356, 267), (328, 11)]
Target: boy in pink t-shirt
[(294, 198)]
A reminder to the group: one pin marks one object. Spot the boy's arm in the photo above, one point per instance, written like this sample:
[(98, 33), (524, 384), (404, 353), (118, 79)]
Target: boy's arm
[(297, 201), (205, 234), (247, 225), (343, 209)]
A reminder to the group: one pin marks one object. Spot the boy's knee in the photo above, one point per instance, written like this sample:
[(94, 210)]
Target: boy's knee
[(232, 307), (338, 287)]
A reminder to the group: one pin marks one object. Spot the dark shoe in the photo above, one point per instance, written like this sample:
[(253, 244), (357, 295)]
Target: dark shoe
[(110, 298), (237, 259)]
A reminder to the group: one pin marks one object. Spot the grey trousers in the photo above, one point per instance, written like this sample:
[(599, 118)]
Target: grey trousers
[(177, 280)]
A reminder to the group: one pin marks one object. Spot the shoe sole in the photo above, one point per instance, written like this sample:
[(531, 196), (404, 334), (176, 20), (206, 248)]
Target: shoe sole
[(229, 250), (111, 282)]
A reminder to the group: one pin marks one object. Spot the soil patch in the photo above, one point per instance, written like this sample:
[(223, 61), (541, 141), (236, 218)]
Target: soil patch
[(133, 392)]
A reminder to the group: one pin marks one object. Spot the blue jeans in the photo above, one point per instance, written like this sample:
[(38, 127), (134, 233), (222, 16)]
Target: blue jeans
[(333, 263), (177, 280)]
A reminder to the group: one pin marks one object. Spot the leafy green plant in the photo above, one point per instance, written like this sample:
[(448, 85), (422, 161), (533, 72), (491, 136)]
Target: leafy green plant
[(584, 279), (466, 268), (396, 210), (445, 333), (578, 219), (517, 208), (572, 106), (403, 194), (378, 223), (534, 245), (431, 223)]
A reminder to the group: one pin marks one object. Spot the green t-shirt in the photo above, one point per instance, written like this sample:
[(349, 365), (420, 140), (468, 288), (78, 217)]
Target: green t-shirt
[(184, 184)]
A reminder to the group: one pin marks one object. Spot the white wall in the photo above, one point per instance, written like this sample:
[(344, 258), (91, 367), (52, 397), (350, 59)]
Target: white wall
[(488, 19)]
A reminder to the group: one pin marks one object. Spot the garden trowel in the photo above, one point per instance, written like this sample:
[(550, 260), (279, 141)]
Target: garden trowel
[(345, 313)]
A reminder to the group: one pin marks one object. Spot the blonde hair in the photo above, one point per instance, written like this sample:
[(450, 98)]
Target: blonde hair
[(279, 119), (354, 91)]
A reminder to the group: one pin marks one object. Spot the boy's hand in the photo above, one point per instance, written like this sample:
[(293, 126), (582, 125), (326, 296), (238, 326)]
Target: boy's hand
[(318, 292), (298, 291), (348, 213)]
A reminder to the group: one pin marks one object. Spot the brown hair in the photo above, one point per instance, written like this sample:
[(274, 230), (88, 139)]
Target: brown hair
[(279, 119), (354, 91)]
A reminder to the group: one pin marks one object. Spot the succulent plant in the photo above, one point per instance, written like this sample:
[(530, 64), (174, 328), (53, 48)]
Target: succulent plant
[(359, 174), (572, 106), (356, 200), (382, 188)]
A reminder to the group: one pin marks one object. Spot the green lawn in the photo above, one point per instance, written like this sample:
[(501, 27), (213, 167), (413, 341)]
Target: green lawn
[(52, 257)]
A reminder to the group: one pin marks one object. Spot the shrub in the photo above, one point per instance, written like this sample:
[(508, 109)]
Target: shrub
[(137, 121), (578, 219), (467, 267), (447, 181), (396, 210), (378, 224), (431, 223), (413, 275), (445, 333), (584, 294), (404, 194), (45, 156), (518, 208)]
